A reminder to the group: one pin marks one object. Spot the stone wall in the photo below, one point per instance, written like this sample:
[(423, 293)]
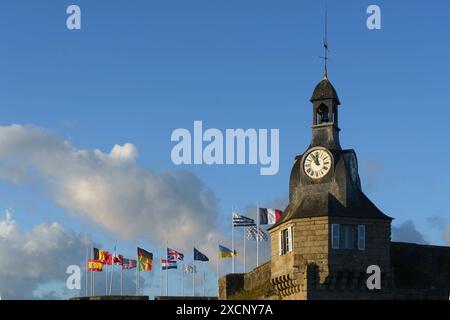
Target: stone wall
[(348, 268), (111, 298), (310, 245), (254, 285), (420, 271), (313, 270), (230, 285)]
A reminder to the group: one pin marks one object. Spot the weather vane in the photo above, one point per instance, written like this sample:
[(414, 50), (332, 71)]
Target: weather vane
[(325, 45)]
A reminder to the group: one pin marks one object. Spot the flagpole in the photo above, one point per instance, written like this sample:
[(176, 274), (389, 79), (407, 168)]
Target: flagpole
[(121, 280), (218, 269), (111, 280), (137, 277), (232, 241), (91, 290), (92, 272), (137, 270), (182, 280), (257, 240), (86, 272), (106, 279), (245, 267), (167, 269), (160, 278), (193, 278), (204, 283), (112, 269)]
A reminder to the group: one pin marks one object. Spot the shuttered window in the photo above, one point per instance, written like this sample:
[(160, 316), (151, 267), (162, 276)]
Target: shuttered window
[(361, 237), (335, 235), (285, 241)]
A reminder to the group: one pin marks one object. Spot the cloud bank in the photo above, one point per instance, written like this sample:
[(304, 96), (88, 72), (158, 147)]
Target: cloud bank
[(407, 232), (111, 189), (34, 258)]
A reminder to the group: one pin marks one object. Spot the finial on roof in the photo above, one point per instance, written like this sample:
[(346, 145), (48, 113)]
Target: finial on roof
[(325, 45)]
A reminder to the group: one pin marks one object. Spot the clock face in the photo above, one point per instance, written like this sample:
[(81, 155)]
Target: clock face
[(317, 163), (353, 169)]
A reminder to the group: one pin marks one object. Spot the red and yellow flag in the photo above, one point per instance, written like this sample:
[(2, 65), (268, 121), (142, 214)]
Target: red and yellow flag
[(145, 259), (95, 265)]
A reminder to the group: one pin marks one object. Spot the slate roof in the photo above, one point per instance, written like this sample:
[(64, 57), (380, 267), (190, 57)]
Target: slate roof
[(325, 204), (324, 90)]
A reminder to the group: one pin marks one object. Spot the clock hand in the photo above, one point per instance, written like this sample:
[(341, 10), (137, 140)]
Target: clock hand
[(316, 160)]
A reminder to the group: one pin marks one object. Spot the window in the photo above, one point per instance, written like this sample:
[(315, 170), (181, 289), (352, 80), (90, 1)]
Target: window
[(348, 236), (285, 241), (361, 237), (335, 236)]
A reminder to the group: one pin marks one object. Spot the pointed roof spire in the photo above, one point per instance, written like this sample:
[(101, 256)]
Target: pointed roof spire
[(325, 44)]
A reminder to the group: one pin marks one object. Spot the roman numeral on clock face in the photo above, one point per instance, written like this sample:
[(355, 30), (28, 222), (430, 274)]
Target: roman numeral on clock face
[(317, 163)]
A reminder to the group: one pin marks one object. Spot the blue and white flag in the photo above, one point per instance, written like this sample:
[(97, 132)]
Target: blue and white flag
[(242, 221), (189, 268), (256, 234)]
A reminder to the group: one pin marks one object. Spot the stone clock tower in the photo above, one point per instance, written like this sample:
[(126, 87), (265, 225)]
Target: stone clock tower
[(330, 232)]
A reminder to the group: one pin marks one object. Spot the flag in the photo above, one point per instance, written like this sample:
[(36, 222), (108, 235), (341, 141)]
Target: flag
[(174, 254), (145, 259), (103, 256), (256, 234), (242, 221), (269, 216), (199, 256), (95, 265), (224, 252), (117, 259), (129, 264), (189, 268), (165, 265)]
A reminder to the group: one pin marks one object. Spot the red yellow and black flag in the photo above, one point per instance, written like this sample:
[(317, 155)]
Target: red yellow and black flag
[(103, 256), (145, 259)]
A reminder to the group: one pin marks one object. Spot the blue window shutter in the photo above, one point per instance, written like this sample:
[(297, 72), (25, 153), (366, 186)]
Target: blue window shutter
[(362, 237), (335, 236)]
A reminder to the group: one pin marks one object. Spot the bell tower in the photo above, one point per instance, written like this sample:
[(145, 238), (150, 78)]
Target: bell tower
[(330, 232), (325, 102), (325, 128)]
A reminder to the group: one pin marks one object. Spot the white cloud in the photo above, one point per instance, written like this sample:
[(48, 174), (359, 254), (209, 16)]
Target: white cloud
[(33, 258), (111, 189), (127, 152), (8, 227), (407, 232)]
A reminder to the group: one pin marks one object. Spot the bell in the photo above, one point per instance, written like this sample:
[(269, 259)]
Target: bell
[(324, 117)]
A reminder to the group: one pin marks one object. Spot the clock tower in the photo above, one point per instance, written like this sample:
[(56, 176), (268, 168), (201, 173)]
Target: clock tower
[(330, 233)]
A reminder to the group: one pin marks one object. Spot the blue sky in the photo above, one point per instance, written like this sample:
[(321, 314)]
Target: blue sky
[(140, 69)]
